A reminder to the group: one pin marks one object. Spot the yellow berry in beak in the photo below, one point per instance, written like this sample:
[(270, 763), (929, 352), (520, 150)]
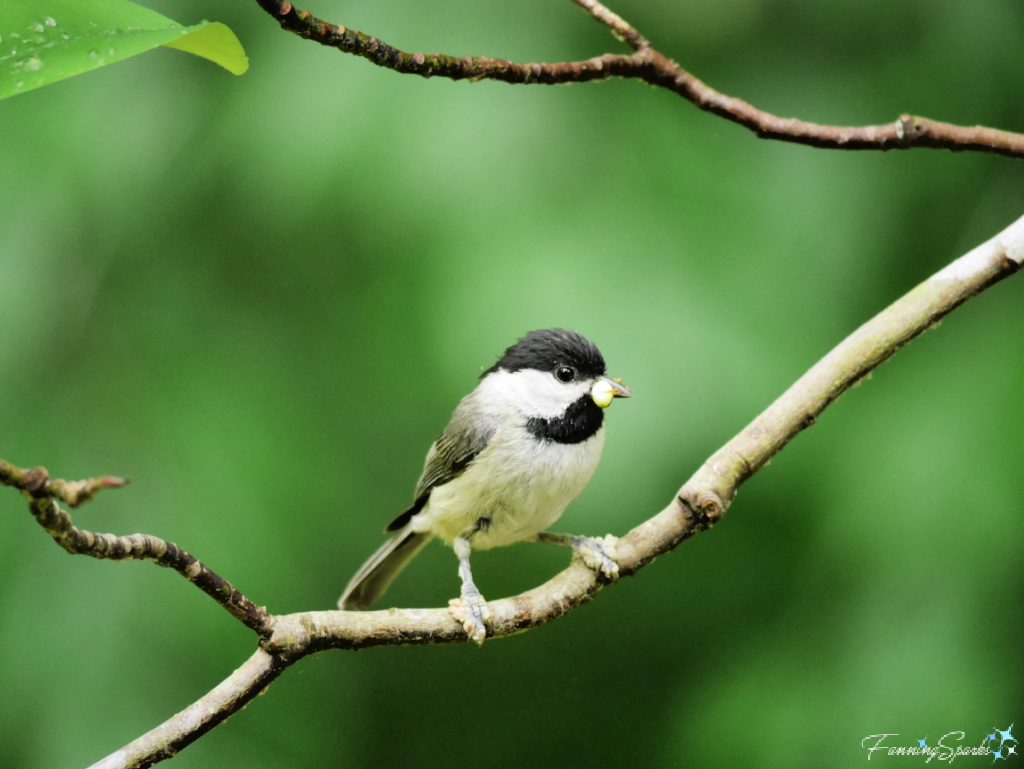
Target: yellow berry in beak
[(605, 390)]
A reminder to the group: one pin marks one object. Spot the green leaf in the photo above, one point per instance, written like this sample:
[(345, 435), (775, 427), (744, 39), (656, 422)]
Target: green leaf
[(42, 41)]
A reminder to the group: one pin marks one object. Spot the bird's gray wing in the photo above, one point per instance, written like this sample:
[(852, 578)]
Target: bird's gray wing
[(467, 435)]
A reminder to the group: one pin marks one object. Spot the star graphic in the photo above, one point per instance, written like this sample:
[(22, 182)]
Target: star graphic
[(991, 737), (1011, 751), (922, 743), (998, 754), (1005, 735)]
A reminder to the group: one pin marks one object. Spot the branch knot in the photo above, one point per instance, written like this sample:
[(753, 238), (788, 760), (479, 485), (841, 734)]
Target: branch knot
[(703, 508)]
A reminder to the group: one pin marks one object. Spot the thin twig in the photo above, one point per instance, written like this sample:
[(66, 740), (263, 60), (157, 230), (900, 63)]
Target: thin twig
[(38, 483), (43, 493), (700, 503), (352, 41), (619, 27), (652, 67)]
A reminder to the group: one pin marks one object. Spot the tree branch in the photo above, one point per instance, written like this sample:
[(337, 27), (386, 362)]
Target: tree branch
[(233, 694), (699, 504), (43, 493), (647, 64), (704, 498)]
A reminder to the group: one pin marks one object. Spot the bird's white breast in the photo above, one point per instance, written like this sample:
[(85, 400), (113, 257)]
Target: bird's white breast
[(521, 483)]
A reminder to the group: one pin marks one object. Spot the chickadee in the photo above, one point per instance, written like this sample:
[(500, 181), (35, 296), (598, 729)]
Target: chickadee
[(517, 451)]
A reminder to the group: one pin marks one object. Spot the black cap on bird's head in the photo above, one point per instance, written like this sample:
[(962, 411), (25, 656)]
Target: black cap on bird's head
[(549, 348)]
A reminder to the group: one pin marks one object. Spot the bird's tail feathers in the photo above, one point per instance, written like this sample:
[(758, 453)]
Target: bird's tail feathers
[(370, 582)]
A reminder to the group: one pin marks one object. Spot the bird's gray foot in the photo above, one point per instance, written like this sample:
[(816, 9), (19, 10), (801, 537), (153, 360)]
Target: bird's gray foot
[(597, 553), (471, 609)]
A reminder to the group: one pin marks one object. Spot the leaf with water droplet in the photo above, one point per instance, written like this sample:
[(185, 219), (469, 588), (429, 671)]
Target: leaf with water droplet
[(119, 27)]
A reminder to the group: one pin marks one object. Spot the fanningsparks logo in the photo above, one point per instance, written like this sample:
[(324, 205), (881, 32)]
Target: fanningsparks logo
[(947, 748)]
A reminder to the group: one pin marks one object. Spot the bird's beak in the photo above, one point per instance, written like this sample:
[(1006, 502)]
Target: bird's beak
[(605, 389)]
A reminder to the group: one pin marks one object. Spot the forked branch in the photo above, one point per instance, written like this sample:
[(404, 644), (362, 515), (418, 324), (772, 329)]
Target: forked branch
[(698, 505), (43, 494), (647, 64)]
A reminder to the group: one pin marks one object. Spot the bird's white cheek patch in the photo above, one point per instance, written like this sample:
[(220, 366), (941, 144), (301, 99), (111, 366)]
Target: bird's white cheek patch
[(534, 393)]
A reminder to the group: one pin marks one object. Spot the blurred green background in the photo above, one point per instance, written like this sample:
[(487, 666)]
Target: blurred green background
[(261, 298)]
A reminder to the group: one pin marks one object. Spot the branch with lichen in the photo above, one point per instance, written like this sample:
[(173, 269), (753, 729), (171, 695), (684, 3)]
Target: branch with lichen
[(650, 66), (699, 504)]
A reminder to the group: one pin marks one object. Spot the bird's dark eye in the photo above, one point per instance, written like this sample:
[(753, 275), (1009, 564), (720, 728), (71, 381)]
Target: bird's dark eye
[(565, 373)]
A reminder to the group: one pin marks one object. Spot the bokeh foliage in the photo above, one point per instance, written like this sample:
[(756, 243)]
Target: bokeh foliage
[(261, 298)]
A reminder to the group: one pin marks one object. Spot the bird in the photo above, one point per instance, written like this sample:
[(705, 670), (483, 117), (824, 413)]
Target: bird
[(518, 449)]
